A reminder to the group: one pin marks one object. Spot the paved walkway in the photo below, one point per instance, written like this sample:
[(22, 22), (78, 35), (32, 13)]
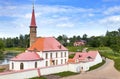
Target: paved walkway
[(107, 71)]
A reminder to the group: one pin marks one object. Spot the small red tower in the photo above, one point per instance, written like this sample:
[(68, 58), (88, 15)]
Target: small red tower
[(33, 28)]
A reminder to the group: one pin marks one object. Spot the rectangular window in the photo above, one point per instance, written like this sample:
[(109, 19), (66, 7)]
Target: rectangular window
[(46, 63), (46, 55), (61, 54), (65, 54), (56, 55), (65, 60), (61, 61), (50, 55), (56, 62), (12, 65)]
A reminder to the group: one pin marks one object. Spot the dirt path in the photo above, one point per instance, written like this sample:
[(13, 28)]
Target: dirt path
[(107, 71)]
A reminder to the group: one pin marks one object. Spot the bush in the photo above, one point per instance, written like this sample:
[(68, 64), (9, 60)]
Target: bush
[(71, 56), (117, 64)]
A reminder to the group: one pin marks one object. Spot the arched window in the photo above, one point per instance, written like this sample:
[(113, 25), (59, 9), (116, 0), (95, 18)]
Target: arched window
[(12, 65), (35, 64), (21, 66)]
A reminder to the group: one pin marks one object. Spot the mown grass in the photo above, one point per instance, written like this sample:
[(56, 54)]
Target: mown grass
[(13, 51), (41, 77), (75, 48), (61, 74), (2, 69), (66, 73), (97, 65)]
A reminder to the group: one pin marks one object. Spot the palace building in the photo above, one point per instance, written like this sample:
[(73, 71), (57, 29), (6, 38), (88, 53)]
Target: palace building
[(43, 51), (46, 56)]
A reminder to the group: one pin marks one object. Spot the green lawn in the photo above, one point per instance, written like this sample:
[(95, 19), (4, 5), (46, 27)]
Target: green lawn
[(15, 49), (66, 73), (75, 49), (61, 74)]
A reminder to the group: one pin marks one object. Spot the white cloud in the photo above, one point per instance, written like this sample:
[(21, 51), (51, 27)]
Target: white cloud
[(112, 10), (65, 25), (111, 19), (54, 20)]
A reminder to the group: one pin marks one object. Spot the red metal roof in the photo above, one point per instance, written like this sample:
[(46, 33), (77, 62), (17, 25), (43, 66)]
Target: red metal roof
[(84, 56), (46, 44), (33, 20), (25, 56)]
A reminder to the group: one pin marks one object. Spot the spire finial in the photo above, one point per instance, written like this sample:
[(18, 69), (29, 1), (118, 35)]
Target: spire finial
[(33, 22), (33, 3)]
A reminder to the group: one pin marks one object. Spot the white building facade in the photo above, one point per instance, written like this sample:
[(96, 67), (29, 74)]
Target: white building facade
[(41, 56)]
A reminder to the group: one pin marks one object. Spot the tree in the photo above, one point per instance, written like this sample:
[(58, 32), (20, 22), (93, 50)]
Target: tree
[(63, 39), (84, 37), (1, 49)]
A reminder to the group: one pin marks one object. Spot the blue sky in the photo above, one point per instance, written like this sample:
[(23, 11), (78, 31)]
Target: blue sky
[(57, 17)]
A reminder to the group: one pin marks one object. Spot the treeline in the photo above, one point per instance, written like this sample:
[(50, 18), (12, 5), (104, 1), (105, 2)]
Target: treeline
[(110, 39), (21, 41)]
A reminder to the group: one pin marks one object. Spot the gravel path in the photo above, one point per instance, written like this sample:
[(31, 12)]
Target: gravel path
[(107, 71)]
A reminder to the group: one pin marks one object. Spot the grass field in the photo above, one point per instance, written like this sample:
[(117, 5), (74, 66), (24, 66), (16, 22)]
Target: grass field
[(14, 49), (66, 73)]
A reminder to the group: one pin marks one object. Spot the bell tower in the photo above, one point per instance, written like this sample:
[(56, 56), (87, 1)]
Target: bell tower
[(33, 31)]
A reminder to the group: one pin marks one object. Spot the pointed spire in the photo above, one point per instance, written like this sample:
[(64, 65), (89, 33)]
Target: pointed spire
[(33, 20)]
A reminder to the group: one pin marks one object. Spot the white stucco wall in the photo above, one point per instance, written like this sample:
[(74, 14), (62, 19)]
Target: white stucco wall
[(58, 58), (54, 69), (34, 72), (20, 75), (50, 70), (42, 63), (97, 60), (77, 67), (27, 64)]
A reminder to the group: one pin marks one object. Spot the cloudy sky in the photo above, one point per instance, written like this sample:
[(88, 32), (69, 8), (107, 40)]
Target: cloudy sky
[(57, 17)]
